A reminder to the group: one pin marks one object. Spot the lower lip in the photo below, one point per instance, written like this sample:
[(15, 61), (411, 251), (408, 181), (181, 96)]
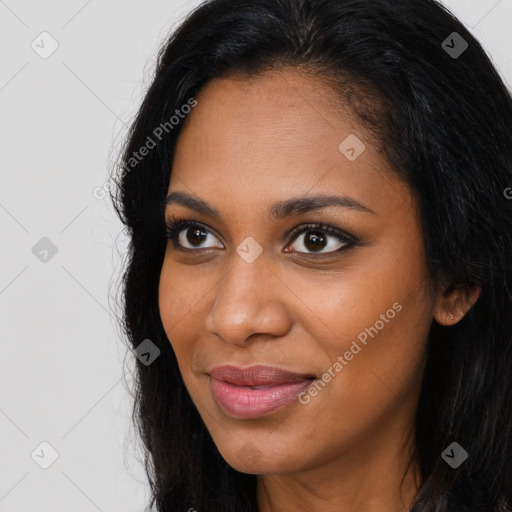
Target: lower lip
[(244, 402)]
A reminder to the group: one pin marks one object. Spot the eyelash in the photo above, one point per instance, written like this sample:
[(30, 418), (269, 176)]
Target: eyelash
[(174, 228)]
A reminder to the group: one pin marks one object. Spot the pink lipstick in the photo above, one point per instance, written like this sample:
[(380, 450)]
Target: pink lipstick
[(255, 391)]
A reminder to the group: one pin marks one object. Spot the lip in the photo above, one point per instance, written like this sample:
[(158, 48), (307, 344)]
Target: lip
[(258, 375), (233, 389)]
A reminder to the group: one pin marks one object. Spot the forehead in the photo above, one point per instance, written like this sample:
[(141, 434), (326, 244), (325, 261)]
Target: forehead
[(274, 136), (279, 113)]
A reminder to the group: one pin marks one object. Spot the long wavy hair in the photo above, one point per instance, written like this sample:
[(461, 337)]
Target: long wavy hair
[(444, 123)]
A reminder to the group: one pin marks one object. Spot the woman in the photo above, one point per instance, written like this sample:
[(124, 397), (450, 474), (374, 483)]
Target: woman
[(319, 281)]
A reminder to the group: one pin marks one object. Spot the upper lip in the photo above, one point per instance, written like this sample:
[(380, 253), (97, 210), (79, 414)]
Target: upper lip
[(258, 375)]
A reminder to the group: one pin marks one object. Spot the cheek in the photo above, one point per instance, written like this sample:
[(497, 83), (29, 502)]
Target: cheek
[(183, 298), (383, 296), (175, 300), (371, 363), (376, 316), (181, 291), (168, 298)]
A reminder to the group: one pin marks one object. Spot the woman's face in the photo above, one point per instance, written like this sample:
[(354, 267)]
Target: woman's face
[(348, 307)]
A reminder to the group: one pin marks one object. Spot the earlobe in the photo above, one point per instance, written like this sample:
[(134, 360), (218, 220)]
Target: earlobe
[(453, 303)]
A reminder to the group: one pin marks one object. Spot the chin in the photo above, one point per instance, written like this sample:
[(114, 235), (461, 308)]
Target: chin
[(253, 459)]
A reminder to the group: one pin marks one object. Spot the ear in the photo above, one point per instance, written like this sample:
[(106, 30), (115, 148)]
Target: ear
[(453, 302)]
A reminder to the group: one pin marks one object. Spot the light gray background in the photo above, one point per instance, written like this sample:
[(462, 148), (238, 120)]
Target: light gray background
[(62, 120)]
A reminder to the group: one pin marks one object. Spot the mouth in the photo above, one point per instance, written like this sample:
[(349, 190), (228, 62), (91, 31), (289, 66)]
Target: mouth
[(255, 391)]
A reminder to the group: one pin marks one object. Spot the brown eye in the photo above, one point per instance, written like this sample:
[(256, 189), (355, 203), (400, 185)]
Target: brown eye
[(316, 238), (190, 235)]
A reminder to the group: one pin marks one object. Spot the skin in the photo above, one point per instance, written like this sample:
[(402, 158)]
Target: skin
[(246, 145)]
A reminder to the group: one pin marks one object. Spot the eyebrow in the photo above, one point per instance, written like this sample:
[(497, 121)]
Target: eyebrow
[(278, 210)]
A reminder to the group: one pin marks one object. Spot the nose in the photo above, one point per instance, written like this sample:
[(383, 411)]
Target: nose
[(251, 299)]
